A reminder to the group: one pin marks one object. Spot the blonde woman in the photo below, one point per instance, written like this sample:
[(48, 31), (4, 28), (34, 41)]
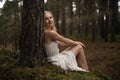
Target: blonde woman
[(72, 58)]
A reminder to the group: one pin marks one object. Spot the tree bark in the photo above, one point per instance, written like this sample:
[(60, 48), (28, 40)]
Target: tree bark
[(31, 38), (71, 18), (63, 18), (114, 12)]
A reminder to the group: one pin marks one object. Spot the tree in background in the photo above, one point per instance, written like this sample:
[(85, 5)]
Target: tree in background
[(9, 23), (71, 17), (63, 18), (113, 7), (31, 38)]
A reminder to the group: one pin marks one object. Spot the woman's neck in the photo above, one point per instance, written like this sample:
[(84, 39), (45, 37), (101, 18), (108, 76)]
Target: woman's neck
[(49, 28)]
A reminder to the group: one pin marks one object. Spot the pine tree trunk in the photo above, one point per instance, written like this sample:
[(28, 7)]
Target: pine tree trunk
[(114, 12), (63, 18), (31, 38), (71, 18), (57, 16)]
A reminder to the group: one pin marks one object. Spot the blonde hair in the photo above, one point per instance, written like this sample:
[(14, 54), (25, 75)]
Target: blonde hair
[(53, 28)]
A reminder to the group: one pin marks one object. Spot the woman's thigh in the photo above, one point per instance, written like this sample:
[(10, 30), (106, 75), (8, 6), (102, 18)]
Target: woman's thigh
[(75, 49)]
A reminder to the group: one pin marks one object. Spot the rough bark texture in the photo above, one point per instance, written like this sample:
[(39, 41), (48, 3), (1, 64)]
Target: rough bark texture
[(31, 38)]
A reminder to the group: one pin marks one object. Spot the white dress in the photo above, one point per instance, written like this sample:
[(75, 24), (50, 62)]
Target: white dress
[(66, 59)]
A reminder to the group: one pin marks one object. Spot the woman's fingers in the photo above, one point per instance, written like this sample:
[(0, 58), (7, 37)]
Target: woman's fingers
[(81, 44)]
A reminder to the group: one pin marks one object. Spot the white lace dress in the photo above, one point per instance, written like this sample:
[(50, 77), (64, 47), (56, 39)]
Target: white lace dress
[(66, 59)]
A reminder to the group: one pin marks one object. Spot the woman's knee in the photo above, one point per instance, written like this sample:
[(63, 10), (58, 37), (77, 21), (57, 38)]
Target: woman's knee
[(79, 47)]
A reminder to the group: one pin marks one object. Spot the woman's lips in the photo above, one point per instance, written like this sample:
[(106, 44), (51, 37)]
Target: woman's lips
[(50, 23)]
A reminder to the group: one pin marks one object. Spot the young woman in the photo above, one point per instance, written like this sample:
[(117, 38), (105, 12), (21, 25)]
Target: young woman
[(72, 58)]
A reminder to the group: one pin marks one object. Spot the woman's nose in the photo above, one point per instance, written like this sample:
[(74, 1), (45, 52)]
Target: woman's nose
[(49, 19)]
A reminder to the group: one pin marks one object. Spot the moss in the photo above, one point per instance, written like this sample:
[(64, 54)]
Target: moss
[(10, 70)]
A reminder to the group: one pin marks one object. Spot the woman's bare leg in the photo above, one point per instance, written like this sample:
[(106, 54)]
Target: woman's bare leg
[(81, 59)]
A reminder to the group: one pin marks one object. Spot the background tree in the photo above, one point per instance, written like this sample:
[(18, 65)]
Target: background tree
[(71, 17), (10, 22), (63, 18), (113, 18)]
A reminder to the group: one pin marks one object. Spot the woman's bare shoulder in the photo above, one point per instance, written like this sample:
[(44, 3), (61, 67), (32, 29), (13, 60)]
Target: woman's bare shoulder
[(49, 32)]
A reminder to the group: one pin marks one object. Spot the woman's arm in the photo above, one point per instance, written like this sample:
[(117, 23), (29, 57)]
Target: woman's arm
[(53, 35), (62, 46)]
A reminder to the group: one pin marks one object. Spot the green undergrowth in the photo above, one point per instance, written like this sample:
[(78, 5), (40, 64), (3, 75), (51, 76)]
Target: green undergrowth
[(10, 70)]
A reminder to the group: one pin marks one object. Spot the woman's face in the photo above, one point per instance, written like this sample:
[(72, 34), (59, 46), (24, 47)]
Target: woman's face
[(49, 20)]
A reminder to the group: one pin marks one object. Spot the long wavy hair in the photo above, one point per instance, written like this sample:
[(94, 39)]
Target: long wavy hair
[(53, 28)]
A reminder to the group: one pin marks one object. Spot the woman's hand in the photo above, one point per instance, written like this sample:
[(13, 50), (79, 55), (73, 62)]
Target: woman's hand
[(81, 44)]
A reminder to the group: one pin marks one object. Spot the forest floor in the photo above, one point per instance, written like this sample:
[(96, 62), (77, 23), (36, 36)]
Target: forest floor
[(102, 57)]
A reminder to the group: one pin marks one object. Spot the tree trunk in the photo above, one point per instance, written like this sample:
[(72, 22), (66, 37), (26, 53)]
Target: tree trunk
[(78, 6), (31, 38), (57, 16), (106, 28), (114, 19), (71, 18), (63, 18), (15, 29), (93, 30)]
